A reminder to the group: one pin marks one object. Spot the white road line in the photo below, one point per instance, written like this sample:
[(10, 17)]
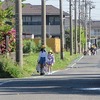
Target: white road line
[(44, 75), (80, 58), (75, 62), (5, 82), (89, 89), (71, 66)]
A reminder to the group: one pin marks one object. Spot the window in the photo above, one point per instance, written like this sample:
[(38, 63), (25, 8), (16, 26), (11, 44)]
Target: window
[(36, 20), (28, 18), (96, 32), (54, 20), (51, 20), (24, 19), (57, 20), (31, 20)]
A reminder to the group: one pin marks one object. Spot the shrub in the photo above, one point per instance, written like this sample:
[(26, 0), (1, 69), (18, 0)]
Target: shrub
[(8, 38), (10, 69), (30, 46), (26, 46)]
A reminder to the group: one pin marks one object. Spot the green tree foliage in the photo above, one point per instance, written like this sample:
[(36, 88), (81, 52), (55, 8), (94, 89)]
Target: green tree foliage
[(67, 37), (83, 38), (6, 26)]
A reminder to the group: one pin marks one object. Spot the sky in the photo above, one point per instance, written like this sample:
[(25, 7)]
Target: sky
[(95, 13)]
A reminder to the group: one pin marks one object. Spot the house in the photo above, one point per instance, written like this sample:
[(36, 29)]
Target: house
[(32, 20), (95, 31), (95, 28), (31, 15)]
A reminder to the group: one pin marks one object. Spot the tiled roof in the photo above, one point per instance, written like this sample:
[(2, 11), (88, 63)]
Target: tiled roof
[(95, 24), (29, 9)]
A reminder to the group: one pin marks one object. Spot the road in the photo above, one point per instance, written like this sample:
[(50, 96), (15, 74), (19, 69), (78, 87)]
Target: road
[(80, 81)]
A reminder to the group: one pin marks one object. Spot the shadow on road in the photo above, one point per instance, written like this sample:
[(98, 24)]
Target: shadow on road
[(83, 85), (84, 82)]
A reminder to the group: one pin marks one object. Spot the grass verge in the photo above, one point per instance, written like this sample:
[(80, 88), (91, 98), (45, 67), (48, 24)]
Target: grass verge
[(10, 69)]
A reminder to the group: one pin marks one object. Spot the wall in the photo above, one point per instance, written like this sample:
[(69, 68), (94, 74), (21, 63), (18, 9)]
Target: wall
[(36, 29), (53, 43)]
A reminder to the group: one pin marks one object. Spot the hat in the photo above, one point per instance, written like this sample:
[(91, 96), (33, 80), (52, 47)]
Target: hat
[(43, 46), (50, 51)]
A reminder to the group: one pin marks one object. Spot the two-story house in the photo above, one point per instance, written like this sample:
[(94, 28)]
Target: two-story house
[(31, 15), (95, 31), (32, 19)]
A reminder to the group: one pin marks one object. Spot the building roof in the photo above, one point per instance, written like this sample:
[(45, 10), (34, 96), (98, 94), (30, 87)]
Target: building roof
[(95, 24), (29, 9)]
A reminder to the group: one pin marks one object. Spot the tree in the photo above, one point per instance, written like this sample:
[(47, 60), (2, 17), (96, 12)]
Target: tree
[(6, 28), (67, 37), (7, 23)]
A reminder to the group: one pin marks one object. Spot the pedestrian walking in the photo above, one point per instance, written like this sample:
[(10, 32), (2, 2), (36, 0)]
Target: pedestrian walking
[(42, 59), (50, 61)]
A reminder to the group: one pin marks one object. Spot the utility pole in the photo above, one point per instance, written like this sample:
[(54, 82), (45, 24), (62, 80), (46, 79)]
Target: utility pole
[(75, 26), (43, 26), (90, 8), (89, 22), (61, 30), (71, 30), (86, 24), (79, 28), (18, 16)]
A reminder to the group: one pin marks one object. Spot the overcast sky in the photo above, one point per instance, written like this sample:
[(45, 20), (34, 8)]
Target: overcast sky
[(95, 14)]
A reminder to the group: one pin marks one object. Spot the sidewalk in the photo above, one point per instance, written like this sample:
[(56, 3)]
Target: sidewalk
[(89, 64), (86, 62)]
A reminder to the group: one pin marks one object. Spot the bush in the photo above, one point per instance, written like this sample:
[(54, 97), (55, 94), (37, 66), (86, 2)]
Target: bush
[(26, 46), (10, 69), (30, 46)]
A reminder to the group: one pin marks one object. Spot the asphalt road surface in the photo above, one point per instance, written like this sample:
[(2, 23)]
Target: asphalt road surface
[(80, 81)]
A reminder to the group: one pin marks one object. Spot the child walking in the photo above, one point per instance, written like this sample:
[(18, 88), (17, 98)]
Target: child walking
[(50, 61)]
